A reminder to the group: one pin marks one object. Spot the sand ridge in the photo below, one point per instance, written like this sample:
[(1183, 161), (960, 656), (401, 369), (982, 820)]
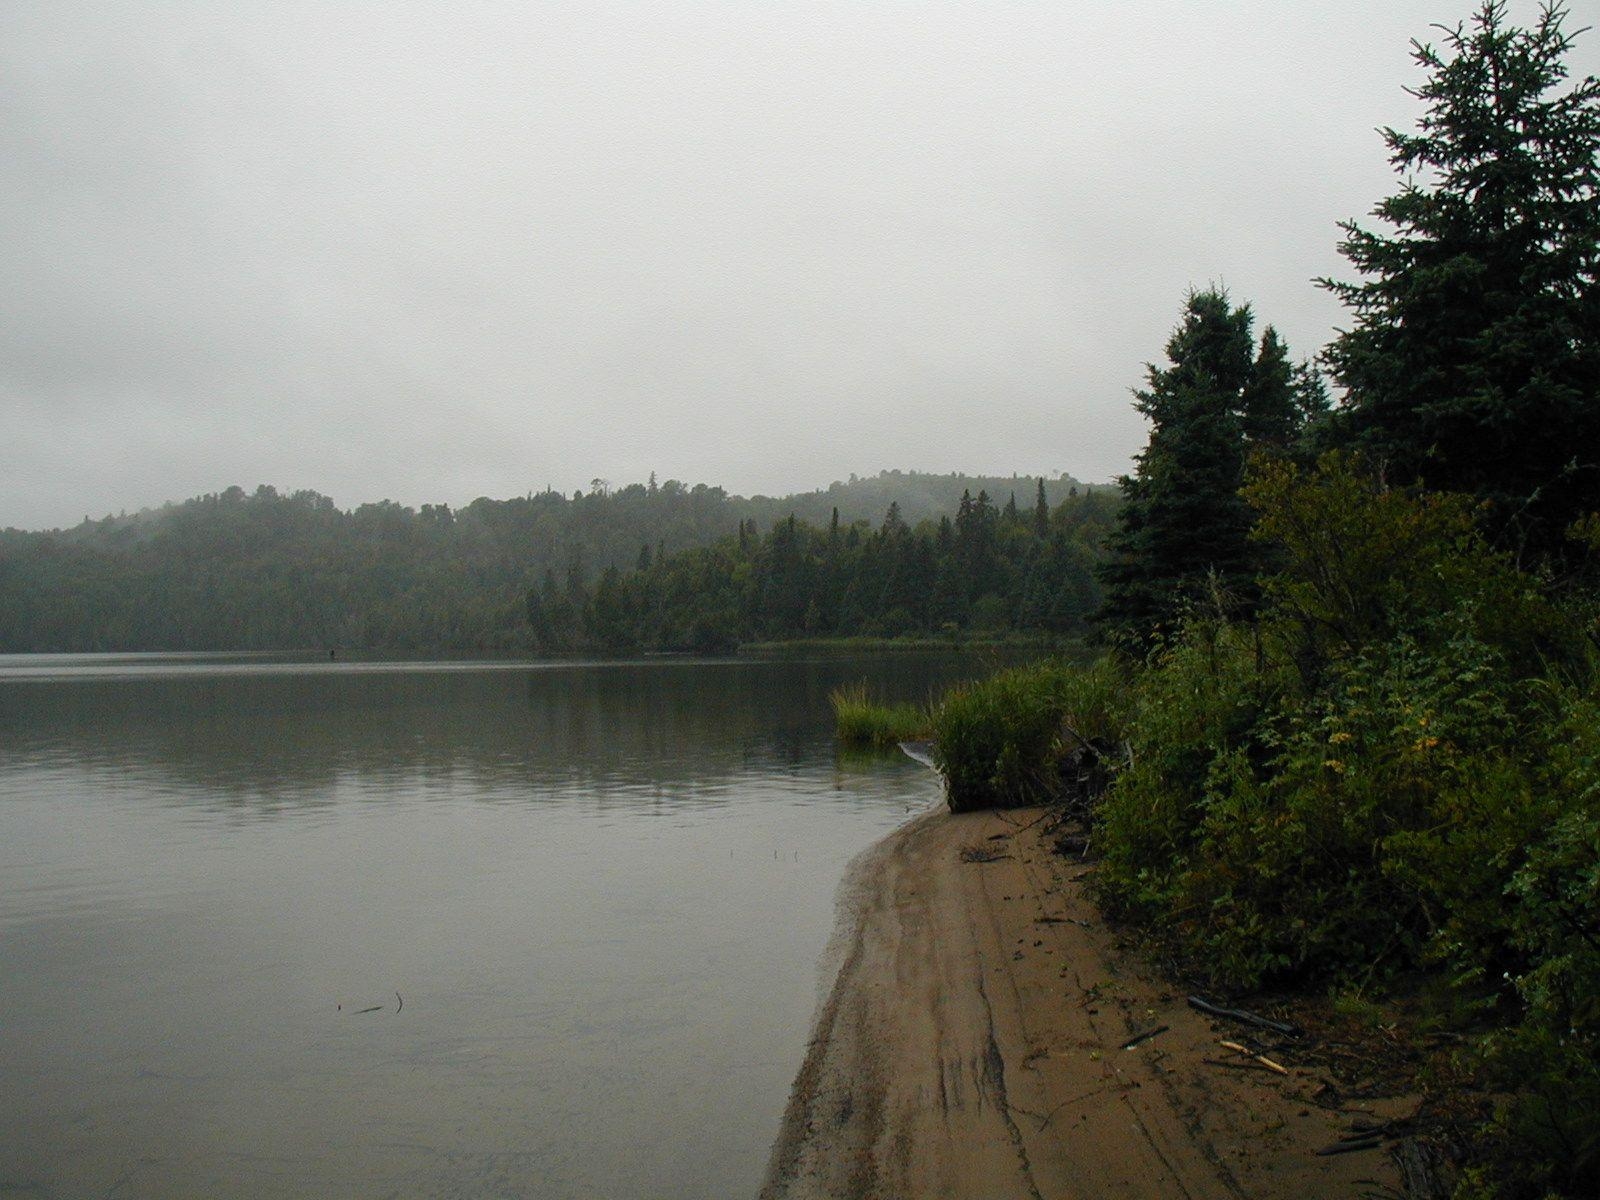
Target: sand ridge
[(971, 1046)]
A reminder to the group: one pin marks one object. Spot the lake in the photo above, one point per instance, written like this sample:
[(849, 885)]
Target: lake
[(273, 927)]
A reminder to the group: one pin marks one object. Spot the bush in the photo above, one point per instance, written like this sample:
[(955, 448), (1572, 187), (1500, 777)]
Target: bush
[(1395, 769)]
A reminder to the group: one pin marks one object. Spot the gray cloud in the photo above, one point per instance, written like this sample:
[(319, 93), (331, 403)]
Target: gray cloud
[(398, 250)]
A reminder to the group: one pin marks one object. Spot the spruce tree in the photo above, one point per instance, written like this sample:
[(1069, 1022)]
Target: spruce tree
[(1182, 522), (1473, 363), (1269, 412)]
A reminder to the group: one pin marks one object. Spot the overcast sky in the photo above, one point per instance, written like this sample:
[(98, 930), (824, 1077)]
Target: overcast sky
[(428, 251)]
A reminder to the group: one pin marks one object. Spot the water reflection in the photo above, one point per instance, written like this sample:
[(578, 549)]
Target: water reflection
[(274, 735), (602, 890)]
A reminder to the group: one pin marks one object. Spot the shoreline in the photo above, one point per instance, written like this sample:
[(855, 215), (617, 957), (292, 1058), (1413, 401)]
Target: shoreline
[(971, 1043)]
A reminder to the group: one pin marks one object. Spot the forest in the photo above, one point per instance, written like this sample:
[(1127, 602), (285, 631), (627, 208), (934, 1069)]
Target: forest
[(264, 570), (987, 573)]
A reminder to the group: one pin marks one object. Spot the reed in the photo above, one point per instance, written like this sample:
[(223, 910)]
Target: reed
[(860, 721)]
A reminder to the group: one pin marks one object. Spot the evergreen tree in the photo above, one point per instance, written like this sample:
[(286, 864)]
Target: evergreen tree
[(1269, 409), (893, 523), (1474, 360), (1182, 522)]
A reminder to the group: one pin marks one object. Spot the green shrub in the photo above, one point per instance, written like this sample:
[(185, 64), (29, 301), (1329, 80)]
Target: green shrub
[(1394, 770), (1197, 703), (1547, 1133)]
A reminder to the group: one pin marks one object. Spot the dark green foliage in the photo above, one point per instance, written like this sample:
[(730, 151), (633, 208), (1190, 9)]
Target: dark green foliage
[(1474, 359), (263, 570), (981, 574), (1393, 768), (1183, 533), (1390, 769)]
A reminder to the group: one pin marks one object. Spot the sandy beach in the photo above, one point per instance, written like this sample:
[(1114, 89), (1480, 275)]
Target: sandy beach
[(972, 1046)]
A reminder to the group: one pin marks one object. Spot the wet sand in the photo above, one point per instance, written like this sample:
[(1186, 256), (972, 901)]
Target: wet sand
[(972, 1047)]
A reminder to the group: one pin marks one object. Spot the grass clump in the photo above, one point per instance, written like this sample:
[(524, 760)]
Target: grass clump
[(1027, 735), (863, 723)]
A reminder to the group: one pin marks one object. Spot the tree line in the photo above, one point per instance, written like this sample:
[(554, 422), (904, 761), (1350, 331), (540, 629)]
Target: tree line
[(989, 570), (272, 570)]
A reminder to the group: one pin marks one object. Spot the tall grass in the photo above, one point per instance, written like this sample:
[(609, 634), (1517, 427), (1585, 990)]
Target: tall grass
[(1005, 740), (862, 722)]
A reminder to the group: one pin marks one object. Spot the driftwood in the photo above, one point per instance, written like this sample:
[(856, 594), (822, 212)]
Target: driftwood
[(1244, 1017)]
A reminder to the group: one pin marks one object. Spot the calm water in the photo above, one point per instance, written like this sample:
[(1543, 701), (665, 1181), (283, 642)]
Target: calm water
[(599, 891)]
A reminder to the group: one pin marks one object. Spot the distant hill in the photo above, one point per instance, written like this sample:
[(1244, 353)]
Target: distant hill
[(920, 495), (267, 570)]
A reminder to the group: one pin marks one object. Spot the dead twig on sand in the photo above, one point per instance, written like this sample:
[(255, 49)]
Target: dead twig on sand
[(1049, 812), (1260, 1058), (1051, 1115), (1139, 1038), (1243, 1016), (1371, 1143)]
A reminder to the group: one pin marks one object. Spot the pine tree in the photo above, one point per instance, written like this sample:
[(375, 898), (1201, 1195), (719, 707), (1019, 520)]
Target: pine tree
[(1474, 360), (1041, 514)]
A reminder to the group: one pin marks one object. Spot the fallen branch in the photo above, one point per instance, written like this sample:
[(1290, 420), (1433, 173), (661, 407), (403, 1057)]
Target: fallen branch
[(1247, 1018), (1049, 812)]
